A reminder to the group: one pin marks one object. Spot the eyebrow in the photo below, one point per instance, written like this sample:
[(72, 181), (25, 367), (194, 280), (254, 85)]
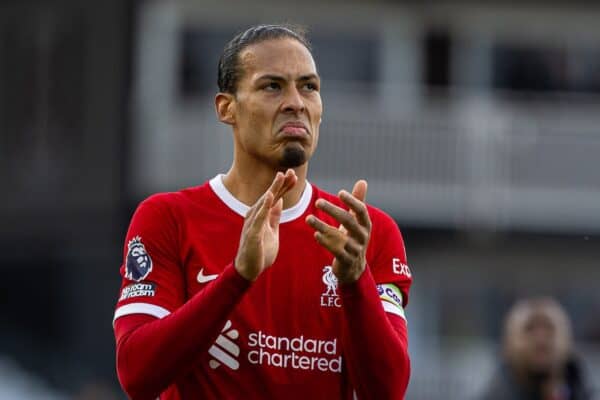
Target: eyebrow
[(281, 78)]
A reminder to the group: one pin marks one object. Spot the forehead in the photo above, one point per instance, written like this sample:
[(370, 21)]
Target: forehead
[(540, 319), (536, 317), (286, 57)]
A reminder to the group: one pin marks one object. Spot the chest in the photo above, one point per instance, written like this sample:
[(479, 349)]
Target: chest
[(298, 293)]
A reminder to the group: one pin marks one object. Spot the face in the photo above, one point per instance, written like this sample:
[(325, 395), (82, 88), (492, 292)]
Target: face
[(276, 110), (537, 340)]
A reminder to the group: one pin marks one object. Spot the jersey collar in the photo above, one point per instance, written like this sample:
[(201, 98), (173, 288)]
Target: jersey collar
[(289, 214)]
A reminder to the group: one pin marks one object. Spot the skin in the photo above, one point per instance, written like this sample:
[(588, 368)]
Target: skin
[(537, 343), (277, 93)]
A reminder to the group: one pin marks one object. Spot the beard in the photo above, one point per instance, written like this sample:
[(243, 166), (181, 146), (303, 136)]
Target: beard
[(293, 156)]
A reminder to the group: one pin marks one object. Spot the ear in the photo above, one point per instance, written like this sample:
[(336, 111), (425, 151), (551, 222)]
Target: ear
[(225, 107)]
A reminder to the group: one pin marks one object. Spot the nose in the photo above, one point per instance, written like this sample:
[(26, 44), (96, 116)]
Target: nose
[(293, 101)]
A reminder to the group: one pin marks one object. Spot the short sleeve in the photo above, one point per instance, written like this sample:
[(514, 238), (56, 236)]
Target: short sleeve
[(151, 272), (386, 257)]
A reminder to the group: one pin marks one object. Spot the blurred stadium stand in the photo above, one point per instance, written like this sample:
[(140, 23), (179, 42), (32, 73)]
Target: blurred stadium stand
[(476, 126), (64, 79)]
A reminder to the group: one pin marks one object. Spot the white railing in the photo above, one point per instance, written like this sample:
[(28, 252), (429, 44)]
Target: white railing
[(496, 164)]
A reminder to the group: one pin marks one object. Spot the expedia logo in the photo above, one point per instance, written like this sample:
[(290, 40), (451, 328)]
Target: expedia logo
[(400, 268), (138, 264)]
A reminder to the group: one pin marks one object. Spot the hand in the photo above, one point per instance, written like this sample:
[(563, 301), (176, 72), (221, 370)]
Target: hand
[(259, 241), (348, 243)]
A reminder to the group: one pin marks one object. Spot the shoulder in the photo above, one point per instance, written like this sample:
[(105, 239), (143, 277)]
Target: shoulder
[(157, 207), (381, 217), (168, 207), (173, 200), (161, 200)]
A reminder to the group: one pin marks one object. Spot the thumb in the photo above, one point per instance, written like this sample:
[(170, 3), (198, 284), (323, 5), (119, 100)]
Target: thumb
[(360, 190), (275, 213)]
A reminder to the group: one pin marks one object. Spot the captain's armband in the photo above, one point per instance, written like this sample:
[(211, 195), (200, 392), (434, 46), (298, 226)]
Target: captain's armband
[(391, 299)]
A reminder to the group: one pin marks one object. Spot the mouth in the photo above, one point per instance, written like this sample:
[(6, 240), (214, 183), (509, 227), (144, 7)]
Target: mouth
[(294, 129)]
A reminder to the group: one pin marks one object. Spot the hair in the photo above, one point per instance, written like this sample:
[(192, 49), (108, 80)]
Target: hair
[(230, 71)]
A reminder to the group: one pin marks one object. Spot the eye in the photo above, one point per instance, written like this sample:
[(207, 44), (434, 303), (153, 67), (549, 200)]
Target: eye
[(272, 86), (310, 86)]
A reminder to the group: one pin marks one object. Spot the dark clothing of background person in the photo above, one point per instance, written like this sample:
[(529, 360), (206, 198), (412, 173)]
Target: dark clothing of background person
[(504, 386)]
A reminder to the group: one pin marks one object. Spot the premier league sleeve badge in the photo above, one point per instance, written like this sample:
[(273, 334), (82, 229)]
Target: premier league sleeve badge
[(138, 264)]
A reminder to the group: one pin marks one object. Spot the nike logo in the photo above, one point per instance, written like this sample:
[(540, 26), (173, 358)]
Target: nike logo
[(205, 278)]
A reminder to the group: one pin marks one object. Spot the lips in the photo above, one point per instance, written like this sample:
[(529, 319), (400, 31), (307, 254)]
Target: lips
[(294, 129)]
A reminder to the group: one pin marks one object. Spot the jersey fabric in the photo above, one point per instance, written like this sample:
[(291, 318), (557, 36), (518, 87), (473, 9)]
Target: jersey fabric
[(283, 337)]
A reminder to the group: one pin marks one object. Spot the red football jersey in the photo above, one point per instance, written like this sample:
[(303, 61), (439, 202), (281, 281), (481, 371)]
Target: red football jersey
[(283, 338)]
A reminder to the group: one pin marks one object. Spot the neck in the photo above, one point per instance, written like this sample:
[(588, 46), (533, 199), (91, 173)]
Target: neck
[(248, 183)]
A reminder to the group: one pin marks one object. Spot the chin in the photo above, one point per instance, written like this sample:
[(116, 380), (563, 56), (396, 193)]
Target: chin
[(293, 156)]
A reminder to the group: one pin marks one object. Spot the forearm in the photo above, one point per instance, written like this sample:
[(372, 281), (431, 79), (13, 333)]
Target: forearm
[(375, 344), (151, 356)]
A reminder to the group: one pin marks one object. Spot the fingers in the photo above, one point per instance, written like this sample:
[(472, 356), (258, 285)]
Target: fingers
[(254, 209), (348, 242), (281, 184), (335, 247), (357, 207), (256, 221), (347, 220), (356, 201), (277, 185), (321, 226), (333, 239), (289, 179), (275, 214)]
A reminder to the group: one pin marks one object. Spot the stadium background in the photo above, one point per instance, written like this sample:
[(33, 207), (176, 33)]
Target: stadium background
[(476, 125)]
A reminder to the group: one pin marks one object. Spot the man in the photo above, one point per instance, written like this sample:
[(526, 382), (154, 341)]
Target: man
[(538, 351), (257, 284)]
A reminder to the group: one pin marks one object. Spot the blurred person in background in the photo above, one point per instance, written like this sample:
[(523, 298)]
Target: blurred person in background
[(539, 358), (257, 284)]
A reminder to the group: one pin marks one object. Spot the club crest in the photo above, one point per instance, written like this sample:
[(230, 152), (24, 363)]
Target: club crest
[(330, 297), (138, 264)]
